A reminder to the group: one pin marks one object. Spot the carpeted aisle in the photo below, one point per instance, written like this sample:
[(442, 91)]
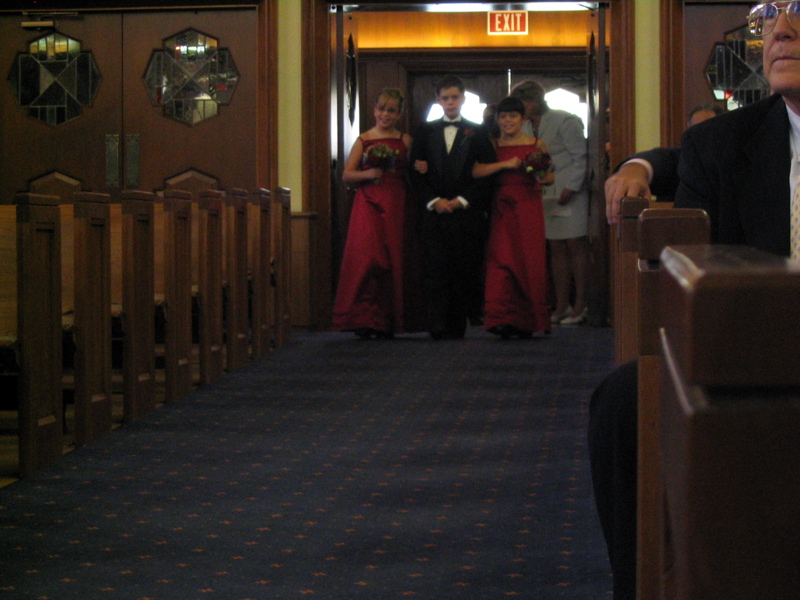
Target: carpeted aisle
[(334, 469)]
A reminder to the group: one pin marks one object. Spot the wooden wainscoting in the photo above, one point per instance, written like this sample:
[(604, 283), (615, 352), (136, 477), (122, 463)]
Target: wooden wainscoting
[(305, 312)]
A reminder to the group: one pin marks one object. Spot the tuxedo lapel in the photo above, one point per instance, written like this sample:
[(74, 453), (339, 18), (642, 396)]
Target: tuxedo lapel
[(437, 144), (459, 151)]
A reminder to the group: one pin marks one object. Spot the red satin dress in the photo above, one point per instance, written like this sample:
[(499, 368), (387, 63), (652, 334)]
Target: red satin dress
[(516, 262), (379, 283)]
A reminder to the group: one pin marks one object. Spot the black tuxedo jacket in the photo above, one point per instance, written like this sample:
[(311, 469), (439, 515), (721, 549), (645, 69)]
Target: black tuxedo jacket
[(736, 167), (450, 175)]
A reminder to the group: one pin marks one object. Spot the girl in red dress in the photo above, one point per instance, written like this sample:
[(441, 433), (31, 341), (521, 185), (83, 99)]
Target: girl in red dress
[(376, 291), (516, 263)]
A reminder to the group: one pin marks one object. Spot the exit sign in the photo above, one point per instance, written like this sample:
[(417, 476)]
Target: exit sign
[(508, 22)]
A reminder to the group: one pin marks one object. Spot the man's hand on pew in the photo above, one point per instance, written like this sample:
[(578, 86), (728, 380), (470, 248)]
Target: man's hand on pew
[(630, 180)]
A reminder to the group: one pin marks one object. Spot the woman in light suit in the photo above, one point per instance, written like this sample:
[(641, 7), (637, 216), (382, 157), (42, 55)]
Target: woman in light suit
[(567, 203)]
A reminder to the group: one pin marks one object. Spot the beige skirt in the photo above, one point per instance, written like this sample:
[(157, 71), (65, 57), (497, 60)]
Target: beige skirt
[(568, 221)]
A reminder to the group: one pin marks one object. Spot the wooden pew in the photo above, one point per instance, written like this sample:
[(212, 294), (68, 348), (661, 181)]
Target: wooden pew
[(282, 243), (261, 272), (212, 349), (236, 246), (178, 294), (625, 281), (656, 228), (92, 321), (138, 308), (731, 416), (30, 317)]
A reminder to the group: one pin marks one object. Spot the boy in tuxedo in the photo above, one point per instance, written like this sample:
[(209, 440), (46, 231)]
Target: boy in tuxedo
[(453, 205)]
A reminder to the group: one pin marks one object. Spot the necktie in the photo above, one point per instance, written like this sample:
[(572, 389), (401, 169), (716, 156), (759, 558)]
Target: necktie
[(795, 221), (451, 123)]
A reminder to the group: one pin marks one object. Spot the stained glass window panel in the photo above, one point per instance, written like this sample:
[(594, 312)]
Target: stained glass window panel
[(191, 77), (55, 79)]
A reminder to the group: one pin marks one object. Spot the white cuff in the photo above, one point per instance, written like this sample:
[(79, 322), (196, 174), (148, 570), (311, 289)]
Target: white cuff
[(647, 166)]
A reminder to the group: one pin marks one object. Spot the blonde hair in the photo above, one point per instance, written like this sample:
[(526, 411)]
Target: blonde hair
[(391, 94)]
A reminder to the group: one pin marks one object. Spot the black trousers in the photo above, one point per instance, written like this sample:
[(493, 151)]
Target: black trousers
[(613, 434), (452, 254)]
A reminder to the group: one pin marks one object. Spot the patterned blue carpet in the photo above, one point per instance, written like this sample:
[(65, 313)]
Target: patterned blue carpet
[(334, 469)]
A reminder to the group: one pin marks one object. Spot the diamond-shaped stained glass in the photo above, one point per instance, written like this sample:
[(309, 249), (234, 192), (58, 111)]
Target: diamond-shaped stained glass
[(55, 79), (190, 77), (735, 70)]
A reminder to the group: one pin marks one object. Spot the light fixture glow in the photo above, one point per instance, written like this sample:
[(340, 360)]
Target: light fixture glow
[(530, 6)]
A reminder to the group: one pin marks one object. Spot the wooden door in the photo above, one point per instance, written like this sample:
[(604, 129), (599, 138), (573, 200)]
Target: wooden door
[(119, 138), (42, 68), (157, 143)]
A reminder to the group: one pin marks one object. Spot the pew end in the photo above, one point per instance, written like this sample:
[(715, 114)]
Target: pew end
[(30, 318), (282, 250), (655, 229), (624, 280), (730, 422)]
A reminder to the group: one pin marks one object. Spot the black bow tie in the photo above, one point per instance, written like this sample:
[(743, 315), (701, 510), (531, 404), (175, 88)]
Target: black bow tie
[(453, 123)]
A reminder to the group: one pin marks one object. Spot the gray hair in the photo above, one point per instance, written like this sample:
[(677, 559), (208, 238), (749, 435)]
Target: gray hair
[(528, 90)]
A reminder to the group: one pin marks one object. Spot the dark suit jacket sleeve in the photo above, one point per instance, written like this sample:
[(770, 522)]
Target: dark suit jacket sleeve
[(478, 191), (665, 169), (420, 184), (484, 149), (697, 190)]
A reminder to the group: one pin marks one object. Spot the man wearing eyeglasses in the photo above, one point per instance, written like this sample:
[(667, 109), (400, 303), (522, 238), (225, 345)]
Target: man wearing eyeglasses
[(742, 168)]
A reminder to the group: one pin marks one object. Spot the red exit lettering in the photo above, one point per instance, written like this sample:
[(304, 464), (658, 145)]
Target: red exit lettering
[(508, 22)]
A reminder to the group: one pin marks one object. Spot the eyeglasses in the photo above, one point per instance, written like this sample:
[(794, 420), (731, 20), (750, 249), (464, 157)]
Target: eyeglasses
[(763, 17)]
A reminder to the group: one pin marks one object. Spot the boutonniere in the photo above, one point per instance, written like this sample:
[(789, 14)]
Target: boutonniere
[(467, 131)]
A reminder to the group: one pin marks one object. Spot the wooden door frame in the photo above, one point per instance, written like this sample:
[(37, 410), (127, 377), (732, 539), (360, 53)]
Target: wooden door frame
[(673, 111)]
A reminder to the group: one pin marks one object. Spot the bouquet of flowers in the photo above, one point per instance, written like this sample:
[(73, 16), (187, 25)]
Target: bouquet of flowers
[(379, 156), (538, 163)]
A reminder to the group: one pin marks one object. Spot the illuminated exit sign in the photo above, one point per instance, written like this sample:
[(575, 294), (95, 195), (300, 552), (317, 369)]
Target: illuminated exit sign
[(508, 22)]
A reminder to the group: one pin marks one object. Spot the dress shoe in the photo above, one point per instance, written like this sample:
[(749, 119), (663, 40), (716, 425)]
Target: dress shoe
[(504, 331), (556, 318), (576, 320)]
